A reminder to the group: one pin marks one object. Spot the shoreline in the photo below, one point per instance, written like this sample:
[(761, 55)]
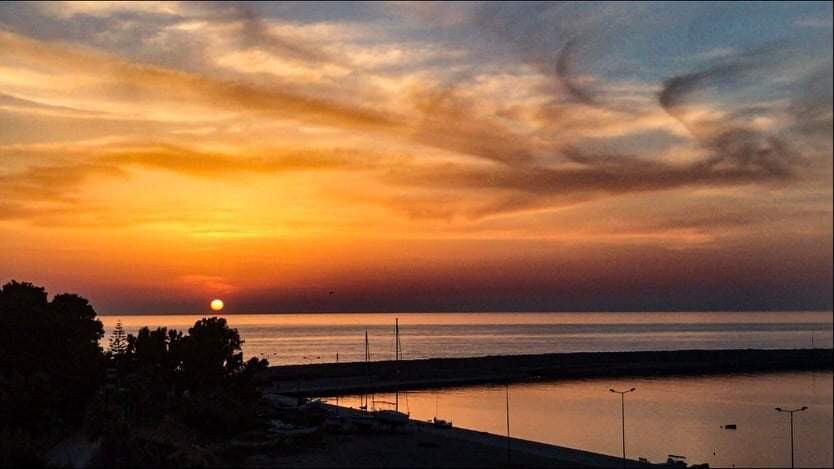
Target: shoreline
[(329, 379), (349, 437), (517, 450)]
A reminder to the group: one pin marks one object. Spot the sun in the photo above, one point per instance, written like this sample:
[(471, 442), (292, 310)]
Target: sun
[(216, 304)]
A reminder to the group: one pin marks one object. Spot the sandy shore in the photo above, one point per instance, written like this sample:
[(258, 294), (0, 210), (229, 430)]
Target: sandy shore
[(420, 444)]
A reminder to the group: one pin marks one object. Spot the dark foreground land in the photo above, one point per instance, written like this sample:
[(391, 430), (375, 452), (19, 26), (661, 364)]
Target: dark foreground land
[(341, 378), (418, 444)]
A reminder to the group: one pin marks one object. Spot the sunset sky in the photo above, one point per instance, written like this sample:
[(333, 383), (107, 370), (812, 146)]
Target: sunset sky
[(418, 156)]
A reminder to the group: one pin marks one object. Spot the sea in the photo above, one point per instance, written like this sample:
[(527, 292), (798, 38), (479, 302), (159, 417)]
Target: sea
[(321, 338)]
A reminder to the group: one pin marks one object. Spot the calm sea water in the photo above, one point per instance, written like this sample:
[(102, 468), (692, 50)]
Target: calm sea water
[(664, 416), (315, 338)]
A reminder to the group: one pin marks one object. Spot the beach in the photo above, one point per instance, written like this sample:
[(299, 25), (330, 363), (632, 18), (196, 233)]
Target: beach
[(421, 444)]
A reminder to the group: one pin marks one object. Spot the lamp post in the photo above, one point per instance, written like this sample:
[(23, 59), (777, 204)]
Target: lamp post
[(509, 441), (622, 412), (791, 412)]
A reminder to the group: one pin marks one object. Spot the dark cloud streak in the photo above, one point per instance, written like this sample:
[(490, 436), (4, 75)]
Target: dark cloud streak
[(564, 71)]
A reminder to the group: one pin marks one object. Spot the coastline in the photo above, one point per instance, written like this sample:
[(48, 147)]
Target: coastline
[(456, 447), (328, 379)]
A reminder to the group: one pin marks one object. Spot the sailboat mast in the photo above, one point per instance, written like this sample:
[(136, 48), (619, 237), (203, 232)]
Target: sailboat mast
[(397, 358), (367, 371)]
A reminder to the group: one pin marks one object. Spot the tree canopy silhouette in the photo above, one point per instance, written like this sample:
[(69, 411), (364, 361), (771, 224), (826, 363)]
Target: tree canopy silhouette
[(211, 352), (52, 369), (50, 358)]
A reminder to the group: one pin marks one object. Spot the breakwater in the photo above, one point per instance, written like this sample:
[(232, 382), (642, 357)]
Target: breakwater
[(341, 378)]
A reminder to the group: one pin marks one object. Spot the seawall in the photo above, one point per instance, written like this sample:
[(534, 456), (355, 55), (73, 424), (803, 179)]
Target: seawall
[(339, 378)]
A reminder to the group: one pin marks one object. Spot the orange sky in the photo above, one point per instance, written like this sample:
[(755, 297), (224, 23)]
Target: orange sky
[(406, 156)]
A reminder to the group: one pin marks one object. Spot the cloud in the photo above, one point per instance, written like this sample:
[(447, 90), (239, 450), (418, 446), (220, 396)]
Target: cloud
[(821, 23), (541, 185), (134, 87), (731, 136), (564, 70), (492, 142), (736, 149), (215, 284), (197, 163), (51, 177), (46, 190), (252, 31)]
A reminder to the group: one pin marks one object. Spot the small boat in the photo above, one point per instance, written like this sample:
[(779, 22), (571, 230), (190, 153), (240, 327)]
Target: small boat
[(280, 400), (334, 422), (391, 417), (308, 403), (730, 426), (440, 423), (280, 428), (362, 420)]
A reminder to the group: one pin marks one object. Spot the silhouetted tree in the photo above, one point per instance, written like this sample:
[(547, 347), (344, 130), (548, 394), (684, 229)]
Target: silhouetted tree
[(50, 362), (210, 352), (153, 358), (118, 340), (51, 366), (50, 344), (157, 348), (78, 359), (24, 310)]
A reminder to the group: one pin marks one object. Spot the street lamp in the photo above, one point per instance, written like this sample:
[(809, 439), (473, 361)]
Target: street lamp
[(791, 412), (622, 409)]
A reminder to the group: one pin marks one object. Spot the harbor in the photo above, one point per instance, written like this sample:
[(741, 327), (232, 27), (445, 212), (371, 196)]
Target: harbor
[(367, 394)]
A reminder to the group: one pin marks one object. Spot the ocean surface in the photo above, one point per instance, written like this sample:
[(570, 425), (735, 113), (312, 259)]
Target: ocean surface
[(682, 416), (319, 338)]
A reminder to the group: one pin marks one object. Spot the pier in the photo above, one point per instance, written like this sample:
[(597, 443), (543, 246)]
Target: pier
[(328, 379)]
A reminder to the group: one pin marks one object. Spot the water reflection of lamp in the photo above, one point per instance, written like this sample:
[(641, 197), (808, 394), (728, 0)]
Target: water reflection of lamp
[(791, 412), (622, 408)]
